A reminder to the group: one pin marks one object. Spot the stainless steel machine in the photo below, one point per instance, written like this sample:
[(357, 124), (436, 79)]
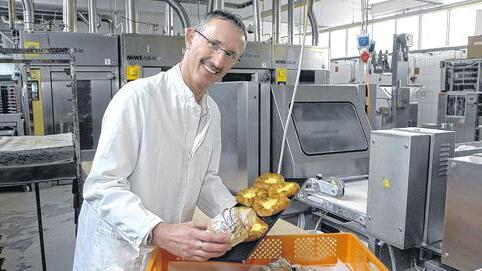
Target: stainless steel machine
[(400, 112), (406, 190), (97, 81), (462, 243), (397, 187), (328, 133), (315, 64), (144, 55), (460, 103), (244, 108)]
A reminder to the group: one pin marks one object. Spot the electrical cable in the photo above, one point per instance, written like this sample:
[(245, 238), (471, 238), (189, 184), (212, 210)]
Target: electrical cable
[(140, 22), (318, 223), (285, 129), (369, 92), (392, 258)]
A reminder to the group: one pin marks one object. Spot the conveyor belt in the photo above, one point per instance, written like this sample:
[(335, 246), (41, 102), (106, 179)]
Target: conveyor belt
[(351, 206)]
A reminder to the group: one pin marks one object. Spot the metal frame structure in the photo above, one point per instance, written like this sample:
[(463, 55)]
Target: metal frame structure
[(460, 102), (42, 165)]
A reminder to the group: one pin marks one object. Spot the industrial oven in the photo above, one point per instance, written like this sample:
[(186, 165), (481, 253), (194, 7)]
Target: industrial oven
[(144, 55), (328, 132), (97, 81)]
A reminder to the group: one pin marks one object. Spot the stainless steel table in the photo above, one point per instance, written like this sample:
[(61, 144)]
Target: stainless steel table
[(26, 160)]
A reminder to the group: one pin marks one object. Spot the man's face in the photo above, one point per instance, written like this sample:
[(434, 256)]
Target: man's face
[(212, 52)]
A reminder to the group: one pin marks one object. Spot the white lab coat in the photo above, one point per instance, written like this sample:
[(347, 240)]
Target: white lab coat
[(155, 162)]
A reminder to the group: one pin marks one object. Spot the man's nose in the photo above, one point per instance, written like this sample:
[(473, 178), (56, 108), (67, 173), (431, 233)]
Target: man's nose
[(220, 59)]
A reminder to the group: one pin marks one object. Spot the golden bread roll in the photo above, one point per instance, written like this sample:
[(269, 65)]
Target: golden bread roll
[(258, 229), (247, 196), (287, 188), (271, 205), (267, 179)]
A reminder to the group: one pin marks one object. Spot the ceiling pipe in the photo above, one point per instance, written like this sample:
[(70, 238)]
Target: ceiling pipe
[(50, 11), (92, 7), (215, 5), (131, 17), (240, 5), (12, 16), (228, 5), (82, 18), (180, 11), (291, 8), (69, 12), (313, 23), (168, 21), (257, 21), (110, 22), (28, 19), (276, 21)]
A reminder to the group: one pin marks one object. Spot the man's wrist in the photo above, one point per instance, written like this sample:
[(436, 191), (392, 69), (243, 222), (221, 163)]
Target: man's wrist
[(151, 235), (149, 238)]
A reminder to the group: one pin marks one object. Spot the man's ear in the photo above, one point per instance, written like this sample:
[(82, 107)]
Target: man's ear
[(189, 36)]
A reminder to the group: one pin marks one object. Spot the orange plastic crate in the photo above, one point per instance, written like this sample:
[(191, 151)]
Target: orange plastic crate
[(310, 249)]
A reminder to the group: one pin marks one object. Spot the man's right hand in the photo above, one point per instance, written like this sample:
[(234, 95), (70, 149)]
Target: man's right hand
[(190, 242)]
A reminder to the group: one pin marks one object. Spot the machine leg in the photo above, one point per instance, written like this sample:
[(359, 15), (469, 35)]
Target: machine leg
[(40, 227)]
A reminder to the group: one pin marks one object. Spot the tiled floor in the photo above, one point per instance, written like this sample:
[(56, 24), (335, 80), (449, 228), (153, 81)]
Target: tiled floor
[(18, 225)]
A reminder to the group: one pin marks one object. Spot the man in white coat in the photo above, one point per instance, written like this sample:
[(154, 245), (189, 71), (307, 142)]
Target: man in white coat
[(158, 157)]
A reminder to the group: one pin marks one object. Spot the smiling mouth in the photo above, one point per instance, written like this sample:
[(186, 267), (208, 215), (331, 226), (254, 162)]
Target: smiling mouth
[(210, 68)]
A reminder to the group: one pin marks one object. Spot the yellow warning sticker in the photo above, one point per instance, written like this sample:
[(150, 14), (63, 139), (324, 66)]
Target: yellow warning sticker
[(281, 75), (30, 44), (133, 72), (386, 183)]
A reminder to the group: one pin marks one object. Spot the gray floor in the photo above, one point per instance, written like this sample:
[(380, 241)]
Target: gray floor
[(18, 225)]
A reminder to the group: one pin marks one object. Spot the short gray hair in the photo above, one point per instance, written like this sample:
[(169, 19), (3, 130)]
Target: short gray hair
[(222, 15)]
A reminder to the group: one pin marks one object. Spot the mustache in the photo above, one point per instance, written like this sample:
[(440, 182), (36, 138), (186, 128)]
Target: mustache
[(210, 65)]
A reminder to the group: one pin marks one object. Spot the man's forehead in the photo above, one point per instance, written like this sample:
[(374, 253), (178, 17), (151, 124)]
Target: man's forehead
[(219, 25), (222, 31)]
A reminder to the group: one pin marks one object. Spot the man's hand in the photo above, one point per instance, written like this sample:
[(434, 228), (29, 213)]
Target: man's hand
[(189, 241)]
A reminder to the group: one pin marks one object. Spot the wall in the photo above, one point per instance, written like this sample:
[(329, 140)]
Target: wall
[(429, 79)]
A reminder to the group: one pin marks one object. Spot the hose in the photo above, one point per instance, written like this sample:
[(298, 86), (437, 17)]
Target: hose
[(392, 258), (285, 128)]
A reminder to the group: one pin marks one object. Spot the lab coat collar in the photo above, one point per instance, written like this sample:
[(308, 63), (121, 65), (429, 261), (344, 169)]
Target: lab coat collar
[(176, 71)]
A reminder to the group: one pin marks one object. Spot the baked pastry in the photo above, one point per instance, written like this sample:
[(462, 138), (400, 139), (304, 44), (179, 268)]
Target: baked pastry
[(267, 179), (271, 205), (247, 196), (287, 188), (258, 229)]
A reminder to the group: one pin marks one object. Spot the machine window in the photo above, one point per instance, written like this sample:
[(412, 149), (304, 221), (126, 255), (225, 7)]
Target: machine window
[(84, 101), (328, 127)]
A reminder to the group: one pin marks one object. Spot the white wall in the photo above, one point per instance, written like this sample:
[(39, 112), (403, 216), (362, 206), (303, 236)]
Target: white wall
[(429, 79), (478, 23)]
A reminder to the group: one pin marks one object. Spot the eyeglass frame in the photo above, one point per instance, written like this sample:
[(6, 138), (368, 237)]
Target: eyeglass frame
[(215, 45)]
